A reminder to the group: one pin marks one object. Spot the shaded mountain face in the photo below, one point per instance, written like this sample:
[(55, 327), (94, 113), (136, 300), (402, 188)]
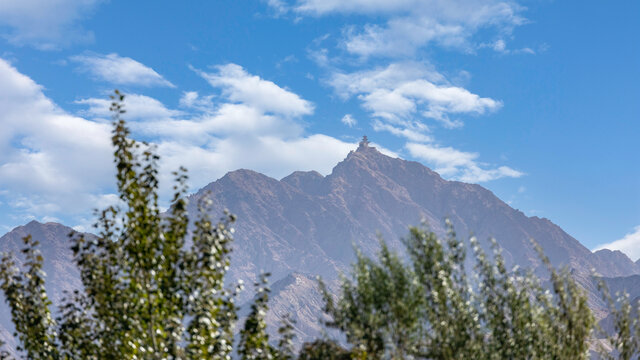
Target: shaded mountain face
[(306, 224)]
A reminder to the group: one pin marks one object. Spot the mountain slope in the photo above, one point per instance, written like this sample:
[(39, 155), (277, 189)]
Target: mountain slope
[(307, 223)]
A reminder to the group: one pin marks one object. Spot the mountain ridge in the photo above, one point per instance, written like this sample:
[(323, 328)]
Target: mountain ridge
[(306, 223)]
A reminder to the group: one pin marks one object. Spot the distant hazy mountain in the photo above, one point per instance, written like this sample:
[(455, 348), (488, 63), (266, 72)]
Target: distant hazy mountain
[(624, 267), (306, 224)]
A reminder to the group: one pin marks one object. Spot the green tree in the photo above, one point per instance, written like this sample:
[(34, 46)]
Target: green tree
[(323, 350), (625, 315), (254, 340), (429, 309), (147, 293)]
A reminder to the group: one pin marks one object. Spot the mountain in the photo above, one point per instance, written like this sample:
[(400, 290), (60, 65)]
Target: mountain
[(306, 224), (625, 266)]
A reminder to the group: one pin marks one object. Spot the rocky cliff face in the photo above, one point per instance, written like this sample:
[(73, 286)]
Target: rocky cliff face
[(306, 224)]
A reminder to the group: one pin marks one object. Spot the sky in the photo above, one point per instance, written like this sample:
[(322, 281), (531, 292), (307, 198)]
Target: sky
[(538, 101)]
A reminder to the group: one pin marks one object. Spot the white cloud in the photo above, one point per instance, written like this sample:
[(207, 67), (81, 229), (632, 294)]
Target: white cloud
[(120, 70), (413, 24), (55, 164), (50, 161), (409, 91), (413, 132), (271, 155), (629, 244), (46, 24), (138, 107), (349, 120), (193, 100), (459, 165), (239, 86)]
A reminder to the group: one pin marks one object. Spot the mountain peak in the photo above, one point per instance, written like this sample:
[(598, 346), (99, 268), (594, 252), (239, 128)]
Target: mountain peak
[(364, 143), (365, 147)]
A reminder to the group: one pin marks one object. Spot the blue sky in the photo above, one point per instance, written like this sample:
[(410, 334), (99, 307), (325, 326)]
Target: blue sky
[(536, 100)]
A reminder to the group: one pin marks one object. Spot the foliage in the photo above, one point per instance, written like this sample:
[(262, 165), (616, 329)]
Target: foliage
[(323, 350), (254, 340), (429, 309), (27, 298), (625, 340), (286, 349), (148, 293)]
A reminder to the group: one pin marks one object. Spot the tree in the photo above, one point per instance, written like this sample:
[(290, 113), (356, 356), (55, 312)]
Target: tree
[(147, 293), (625, 315), (323, 350), (429, 309), (254, 340)]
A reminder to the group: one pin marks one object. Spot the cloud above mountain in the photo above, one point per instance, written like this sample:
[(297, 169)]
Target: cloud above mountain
[(459, 165), (53, 162), (629, 244), (408, 93)]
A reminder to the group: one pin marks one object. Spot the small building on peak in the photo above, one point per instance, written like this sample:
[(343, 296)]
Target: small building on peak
[(364, 142)]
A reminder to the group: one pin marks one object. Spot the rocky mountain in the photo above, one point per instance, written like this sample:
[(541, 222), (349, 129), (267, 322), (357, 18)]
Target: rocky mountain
[(625, 266), (306, 224)]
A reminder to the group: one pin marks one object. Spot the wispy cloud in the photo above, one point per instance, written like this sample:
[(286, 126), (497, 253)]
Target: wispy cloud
[(349, 120), (409, 91), (45, 24), (239, 86), (120, 70), (139, 107), (413, 24), (459, 165), (629, 244)]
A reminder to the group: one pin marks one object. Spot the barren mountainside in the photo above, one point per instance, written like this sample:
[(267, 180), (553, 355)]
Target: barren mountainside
[(308, 223)]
